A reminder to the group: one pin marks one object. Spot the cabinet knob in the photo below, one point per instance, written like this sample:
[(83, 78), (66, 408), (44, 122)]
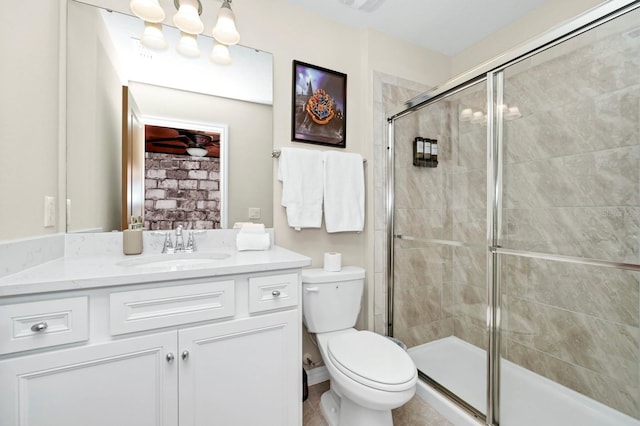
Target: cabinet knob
[(170, 357), (41, 326), (185, 355), (275, 293)]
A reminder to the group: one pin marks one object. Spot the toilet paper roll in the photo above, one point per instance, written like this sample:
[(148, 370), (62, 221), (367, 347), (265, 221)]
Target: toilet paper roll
[(333, 262)]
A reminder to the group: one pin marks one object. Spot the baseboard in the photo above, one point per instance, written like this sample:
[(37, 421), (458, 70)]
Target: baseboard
[(317, 375)]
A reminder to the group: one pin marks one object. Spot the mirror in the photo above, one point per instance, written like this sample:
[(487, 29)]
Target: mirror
[(106, 65)]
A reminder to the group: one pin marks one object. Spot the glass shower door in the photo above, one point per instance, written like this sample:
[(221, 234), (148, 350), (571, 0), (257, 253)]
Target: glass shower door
[(570, 241), (440, 242)]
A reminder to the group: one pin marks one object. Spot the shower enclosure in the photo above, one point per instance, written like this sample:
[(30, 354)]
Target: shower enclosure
[(514, 264)]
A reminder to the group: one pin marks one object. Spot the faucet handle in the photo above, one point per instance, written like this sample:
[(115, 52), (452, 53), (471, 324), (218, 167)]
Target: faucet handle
[(167, 247), (191, 243), (179, 229)]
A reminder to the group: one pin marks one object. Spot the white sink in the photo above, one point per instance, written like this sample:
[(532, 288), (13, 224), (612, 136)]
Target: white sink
[(175, 260)]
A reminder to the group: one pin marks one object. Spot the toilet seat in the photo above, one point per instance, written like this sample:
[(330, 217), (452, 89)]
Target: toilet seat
[(372, 360)]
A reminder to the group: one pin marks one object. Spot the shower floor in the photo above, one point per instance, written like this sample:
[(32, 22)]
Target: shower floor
[(528, 399)]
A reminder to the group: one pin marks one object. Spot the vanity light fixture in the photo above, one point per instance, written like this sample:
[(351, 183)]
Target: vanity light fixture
[(147, 10), (220, 54), (225, 31), (187, 19), (153, 37)]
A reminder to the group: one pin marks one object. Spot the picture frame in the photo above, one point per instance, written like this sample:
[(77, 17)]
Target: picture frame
[(318, 105)]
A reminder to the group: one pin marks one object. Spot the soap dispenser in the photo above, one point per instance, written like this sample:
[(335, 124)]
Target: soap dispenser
[(132, 237)]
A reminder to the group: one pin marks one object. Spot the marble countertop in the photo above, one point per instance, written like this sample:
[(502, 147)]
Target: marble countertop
[(92, 271)]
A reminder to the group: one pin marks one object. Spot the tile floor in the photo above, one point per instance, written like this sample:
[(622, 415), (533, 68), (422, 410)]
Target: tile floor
[(414, 413)]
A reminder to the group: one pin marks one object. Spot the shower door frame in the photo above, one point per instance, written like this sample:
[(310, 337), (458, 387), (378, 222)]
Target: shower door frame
[(492, 72)]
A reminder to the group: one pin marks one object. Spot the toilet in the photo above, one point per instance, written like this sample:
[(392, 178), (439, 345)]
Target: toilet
[(369, 374)]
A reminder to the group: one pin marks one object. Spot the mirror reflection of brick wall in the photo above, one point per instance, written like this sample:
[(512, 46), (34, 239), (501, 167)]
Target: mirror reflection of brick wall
[(181, 190)]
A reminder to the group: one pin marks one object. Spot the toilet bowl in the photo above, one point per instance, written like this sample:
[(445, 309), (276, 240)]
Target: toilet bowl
[(370, 375)]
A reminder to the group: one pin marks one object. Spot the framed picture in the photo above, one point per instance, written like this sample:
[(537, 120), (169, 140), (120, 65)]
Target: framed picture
[(318, 105)]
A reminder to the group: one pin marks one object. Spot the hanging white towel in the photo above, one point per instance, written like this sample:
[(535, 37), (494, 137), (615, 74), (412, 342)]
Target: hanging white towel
[(343, 192), (300, 171)]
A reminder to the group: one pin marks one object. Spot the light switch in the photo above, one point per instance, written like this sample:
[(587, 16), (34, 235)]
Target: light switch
[(254, 212)]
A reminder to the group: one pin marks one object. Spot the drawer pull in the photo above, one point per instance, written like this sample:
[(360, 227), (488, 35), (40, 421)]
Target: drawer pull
[(170, 357), (41, 326), (185, 355), (275, 293)]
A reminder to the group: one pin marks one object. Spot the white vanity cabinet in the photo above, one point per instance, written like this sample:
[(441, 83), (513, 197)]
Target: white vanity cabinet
[(125, 382), (221, 350)]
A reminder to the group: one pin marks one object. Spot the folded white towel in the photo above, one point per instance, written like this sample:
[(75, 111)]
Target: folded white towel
[(249, 227), (300, 171), (251, 241), (343, 192)]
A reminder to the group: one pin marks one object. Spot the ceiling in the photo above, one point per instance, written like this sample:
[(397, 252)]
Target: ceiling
[(446, 26)]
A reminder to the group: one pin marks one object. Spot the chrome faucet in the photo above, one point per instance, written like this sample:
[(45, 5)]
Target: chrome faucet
[(179, 240), (168, 247)]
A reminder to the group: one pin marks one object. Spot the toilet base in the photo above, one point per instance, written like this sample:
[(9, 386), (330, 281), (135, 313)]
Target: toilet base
[(330, 407), (341, 411)]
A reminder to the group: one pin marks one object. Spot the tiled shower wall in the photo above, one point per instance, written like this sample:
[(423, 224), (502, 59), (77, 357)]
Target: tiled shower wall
[(389, 95), (571, 187), (440, 290), (181, 190)]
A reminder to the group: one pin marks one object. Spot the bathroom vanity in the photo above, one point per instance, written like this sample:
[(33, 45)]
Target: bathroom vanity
[(94, 340)]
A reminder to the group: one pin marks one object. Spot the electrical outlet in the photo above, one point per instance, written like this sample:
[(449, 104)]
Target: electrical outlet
[(254, 212), (49, 211)]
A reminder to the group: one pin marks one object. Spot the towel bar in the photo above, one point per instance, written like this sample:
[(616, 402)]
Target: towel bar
[(276, 154)]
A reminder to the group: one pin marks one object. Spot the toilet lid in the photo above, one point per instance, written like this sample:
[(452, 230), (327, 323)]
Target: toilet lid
[(370, 358)]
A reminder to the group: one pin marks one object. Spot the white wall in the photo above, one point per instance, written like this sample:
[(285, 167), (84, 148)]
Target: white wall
[(542, 19), (28, 116)]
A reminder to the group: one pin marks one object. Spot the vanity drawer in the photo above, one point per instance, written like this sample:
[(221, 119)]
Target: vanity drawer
[(273, 292), (139, 310), (35, 325)]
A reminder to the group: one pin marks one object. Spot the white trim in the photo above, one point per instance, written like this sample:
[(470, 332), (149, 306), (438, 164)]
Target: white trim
[(317, 375)]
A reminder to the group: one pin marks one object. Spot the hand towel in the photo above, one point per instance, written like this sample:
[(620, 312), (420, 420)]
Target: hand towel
[(249, 227), (252, 241), (343, 192), (300, 171)]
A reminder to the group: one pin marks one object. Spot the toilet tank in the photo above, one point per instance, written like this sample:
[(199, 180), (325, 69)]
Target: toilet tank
[(331, 300)]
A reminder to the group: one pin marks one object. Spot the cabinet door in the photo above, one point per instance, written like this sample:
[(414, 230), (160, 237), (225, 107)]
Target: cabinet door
[(241, 373), (126, 383)]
